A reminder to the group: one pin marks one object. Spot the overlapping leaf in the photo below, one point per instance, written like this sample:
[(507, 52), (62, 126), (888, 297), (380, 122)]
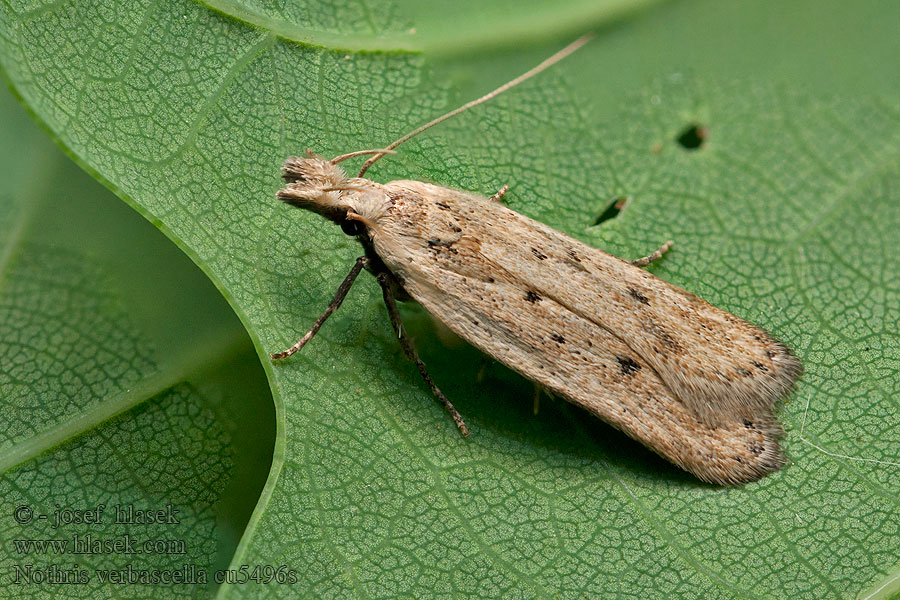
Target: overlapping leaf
[(124, 381)]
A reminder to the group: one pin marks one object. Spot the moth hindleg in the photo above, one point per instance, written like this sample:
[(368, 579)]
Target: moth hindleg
[(345, 286), (538, 389), (643, 262), (386, 281), (496, 197), (541, 390)]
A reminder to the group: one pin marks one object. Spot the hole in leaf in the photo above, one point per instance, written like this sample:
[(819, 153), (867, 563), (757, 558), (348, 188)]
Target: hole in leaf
[(613, 209), (693, 136)]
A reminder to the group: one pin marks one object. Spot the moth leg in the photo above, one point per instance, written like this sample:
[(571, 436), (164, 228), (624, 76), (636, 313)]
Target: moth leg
[(481, 370), (386, 281), (643, 262), (361, 262), (496, 197), (540, 390)]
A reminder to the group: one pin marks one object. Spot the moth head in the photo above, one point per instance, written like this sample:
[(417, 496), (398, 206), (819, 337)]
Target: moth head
[(315, 183), (320, 185)]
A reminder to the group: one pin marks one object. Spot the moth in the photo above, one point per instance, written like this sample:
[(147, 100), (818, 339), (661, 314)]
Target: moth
[(697, 385)]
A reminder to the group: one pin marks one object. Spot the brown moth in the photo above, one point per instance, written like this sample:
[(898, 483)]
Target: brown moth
[(696, 384)]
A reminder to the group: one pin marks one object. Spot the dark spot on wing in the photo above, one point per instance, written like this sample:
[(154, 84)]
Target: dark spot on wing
[(532, 297), (755, 449), (628, 365), (558, 338), (759, 365), (574, 260), (538, 254), (638, 296), (437, 244), (664, 336), (748, 423), (442, 205), (744, 372)]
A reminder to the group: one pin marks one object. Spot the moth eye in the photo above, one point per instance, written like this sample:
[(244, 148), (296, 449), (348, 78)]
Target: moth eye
[(352, 228)]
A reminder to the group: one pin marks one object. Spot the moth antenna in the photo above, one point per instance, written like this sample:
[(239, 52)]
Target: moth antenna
[(523, 77), (343, 157)]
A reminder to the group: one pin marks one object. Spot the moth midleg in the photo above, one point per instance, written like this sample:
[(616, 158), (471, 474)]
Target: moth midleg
[(496, 197), (541, 390), (342, 290), (643, 262), (386, 281), (538, 389)]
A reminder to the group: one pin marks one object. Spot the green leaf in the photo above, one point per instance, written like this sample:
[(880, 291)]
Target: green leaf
[(413, 25), (125, 379), (785, 215)]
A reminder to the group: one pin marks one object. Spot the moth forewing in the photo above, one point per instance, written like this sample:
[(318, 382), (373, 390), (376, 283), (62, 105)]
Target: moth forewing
[(577, 321)]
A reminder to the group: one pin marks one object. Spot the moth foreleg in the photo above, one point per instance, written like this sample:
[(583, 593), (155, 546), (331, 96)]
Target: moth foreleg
[(345, 286), (496, 197), (643, 262), (386, 281)]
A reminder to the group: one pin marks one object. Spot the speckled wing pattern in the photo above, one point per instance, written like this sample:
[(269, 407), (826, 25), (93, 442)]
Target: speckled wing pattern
[(694, 383)]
